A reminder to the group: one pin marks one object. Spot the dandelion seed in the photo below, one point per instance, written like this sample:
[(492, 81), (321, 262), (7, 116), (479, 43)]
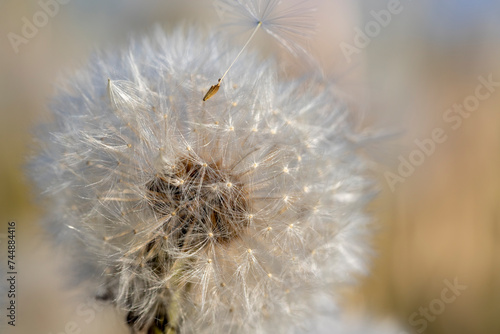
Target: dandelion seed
[(212, 90), (215, 88), (286, 24)]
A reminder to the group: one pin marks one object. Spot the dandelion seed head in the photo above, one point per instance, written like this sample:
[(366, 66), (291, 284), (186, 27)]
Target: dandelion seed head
[(172, 210)]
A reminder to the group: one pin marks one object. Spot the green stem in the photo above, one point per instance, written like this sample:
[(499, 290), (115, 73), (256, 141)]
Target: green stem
[(175, 307)]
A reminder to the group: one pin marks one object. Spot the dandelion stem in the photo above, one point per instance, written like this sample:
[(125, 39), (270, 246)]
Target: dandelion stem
[(215, 88), (174, 308)]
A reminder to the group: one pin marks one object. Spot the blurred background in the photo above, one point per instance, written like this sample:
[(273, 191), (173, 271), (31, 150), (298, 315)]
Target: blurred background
[(402, 65)]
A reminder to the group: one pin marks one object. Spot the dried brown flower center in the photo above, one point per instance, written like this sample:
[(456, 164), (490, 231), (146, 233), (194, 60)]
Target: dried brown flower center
[(201, 201)]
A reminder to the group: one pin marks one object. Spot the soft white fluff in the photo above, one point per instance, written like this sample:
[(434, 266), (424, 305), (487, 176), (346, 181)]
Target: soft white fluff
[(221, 216), (289, 22)]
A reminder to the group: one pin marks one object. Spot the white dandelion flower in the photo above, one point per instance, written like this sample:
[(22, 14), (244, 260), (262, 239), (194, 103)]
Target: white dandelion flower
[(203, 217)]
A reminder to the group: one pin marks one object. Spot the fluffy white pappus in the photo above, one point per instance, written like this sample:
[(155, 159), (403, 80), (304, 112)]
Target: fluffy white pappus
[(289, 22), (221, 216)]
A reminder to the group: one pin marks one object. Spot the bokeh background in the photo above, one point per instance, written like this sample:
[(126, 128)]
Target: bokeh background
[(441, 223)]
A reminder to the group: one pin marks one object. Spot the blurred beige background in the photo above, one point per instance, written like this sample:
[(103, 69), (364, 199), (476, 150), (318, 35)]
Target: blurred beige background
[(442, 223)]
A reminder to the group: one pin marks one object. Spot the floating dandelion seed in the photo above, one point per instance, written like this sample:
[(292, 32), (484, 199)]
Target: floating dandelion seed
[(289, 22), (215, 88), (289, 27), (191, 227)]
